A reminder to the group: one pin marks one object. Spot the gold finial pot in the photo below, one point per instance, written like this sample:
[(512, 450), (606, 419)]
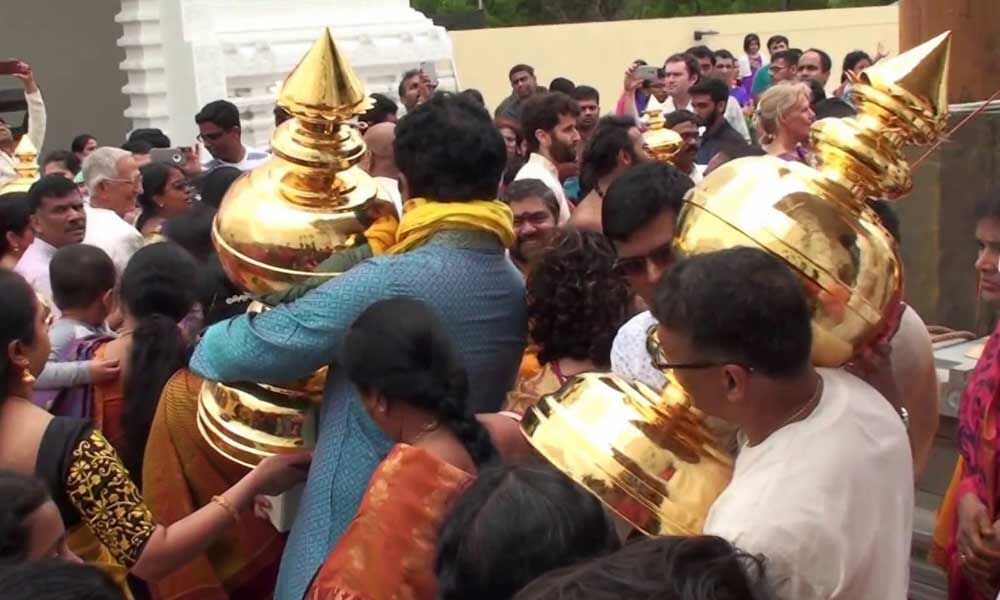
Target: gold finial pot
[(282, 226), (816, 218), (664, 143), (26, 167), (648, 458)]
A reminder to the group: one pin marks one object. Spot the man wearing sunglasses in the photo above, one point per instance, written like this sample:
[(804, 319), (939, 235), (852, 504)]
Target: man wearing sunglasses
[(822, 486), (639, 215), (219, 129)]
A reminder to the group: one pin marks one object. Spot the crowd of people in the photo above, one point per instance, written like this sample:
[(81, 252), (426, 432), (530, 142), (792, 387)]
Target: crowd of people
[(544, 251)]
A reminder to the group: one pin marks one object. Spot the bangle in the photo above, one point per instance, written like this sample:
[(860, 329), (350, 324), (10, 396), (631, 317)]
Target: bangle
[(227, 506)]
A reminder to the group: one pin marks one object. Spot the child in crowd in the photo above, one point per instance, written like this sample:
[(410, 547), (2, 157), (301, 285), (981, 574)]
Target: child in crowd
[(83, 280)]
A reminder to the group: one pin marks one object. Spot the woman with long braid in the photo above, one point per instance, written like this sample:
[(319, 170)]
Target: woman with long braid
[(414, 386)]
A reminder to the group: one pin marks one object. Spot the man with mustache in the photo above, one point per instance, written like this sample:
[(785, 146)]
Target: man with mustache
[(536, 211), (58, 218), (549, 124), (709, 98)]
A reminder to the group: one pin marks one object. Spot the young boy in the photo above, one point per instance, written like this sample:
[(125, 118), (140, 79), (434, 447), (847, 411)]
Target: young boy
[(83, 281)]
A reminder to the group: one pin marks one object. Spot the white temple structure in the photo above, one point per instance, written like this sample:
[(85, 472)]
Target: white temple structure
[(182, 54)]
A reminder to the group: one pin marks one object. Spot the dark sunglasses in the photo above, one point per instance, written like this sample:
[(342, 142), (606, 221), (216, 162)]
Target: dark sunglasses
[(636, 265)]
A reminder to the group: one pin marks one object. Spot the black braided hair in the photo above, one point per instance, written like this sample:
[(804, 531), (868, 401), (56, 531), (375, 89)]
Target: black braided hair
[(401, 349), (158, 290)]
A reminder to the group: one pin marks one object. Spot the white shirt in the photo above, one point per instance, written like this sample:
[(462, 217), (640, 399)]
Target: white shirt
[(34, 267), (734, 114), (827, 500), (629, 358), (540, 168), (252, 157), (109, 232), (391, 188), (36, 133)]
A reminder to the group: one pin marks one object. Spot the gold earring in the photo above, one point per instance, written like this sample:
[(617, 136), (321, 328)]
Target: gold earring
[(26, 377)]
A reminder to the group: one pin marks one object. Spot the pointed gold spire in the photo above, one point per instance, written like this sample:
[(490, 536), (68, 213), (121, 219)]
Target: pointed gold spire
[(921, 71), (323, 86), (25, 165)]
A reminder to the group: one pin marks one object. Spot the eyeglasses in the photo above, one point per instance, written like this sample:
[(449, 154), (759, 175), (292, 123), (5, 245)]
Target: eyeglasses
[(635, 266), (660, 361), (211, 137)]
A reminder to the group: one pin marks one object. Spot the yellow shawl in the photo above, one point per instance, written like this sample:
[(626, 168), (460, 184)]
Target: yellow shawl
[(423, 218)]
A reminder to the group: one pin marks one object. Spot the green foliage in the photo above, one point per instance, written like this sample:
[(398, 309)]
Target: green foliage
[(507, 13)]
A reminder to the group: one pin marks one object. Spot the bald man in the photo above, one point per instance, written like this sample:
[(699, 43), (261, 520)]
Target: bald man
[(380, 162)]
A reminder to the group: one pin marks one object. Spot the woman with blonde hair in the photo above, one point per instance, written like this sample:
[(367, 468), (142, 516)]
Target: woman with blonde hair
[(784, 117)]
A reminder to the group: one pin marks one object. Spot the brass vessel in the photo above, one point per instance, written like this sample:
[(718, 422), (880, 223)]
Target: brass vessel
[(281, 228), (26, 167), (651, 459), (816, 218), (664, 143)]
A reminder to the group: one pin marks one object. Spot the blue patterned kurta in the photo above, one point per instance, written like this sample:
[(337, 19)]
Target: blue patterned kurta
[(471, 285)]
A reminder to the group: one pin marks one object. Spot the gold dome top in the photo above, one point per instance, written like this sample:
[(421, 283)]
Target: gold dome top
[(901, 101), (664, 143), (816, 219), (650, 459), (26, 167), (323, 86), (282, 224)]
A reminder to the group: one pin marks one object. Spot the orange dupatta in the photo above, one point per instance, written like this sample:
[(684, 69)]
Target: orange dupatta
[(387, 553)]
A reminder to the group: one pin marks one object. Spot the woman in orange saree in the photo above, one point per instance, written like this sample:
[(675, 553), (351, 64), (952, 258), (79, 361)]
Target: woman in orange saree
[(181, 473), (413, 387), (967, 536)]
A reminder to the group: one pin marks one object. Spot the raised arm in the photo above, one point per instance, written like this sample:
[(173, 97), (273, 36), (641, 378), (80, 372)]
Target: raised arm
[(292, 340), (36, 108)]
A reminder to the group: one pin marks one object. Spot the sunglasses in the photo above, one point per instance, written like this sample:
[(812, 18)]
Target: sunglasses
[(660, 361), (635, 266)]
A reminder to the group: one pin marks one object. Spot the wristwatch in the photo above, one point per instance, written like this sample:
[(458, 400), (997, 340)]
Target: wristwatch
[(905, 416)]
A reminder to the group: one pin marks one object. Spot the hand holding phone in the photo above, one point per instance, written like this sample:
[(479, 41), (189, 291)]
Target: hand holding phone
[(14, 67), (649, 73)]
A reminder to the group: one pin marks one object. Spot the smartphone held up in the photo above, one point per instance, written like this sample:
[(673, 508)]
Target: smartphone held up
[(14, 67)]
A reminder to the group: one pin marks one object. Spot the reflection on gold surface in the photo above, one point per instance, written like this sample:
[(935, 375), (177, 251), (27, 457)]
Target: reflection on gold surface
[(664, 143), (25, 165), (283, 226), (650, 459), (816, 219)]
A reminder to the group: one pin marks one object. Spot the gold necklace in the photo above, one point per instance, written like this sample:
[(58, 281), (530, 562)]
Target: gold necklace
[(802, 409)]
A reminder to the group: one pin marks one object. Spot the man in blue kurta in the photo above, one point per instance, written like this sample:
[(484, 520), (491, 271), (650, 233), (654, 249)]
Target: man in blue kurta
[(449, 252)]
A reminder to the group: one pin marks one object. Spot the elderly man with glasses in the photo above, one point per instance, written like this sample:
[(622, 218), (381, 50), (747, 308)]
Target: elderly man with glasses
[(113, 179)]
